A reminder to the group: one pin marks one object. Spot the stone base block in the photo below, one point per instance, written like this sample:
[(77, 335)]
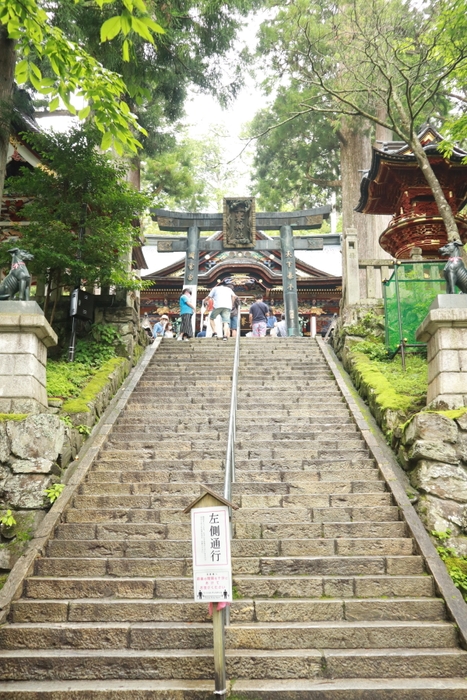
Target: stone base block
[(445, 332), (25, 336)]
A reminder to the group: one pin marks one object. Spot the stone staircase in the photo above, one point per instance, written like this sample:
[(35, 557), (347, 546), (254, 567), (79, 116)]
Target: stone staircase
[(331, 600)]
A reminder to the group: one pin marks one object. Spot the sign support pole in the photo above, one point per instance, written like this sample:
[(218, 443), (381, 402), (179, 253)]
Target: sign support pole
[(218, 624), (212, 569)]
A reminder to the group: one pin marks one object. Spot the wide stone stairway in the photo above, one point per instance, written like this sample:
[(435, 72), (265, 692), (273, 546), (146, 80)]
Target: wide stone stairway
[(332, 602)]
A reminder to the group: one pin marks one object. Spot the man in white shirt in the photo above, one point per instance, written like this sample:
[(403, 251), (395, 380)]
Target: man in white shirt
[(223, 298)]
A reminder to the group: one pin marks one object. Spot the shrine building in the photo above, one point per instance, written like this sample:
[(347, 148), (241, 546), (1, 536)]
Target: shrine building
[(252, 272), (396, 185)]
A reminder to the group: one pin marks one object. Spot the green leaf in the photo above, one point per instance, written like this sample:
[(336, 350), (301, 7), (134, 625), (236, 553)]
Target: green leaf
[(126, 23), (111, 28), (124, 107), (140, 28), (22, 71), (54, 104), (106, 141), (126, 50), (36, 71), (83, 113), (153, 25)]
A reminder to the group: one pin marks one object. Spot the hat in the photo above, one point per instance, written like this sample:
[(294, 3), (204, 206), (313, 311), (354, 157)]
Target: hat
[(164, 316)]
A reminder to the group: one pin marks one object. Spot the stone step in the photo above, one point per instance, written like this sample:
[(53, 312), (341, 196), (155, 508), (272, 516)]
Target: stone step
[(148, 422), (240, 547), (198, 664), (298, 689), (271, 515), (266, 566), (245, 610), (143, 497), (271, 443), (182, 531), (279, 431), (337, 634), (161, 472), (244, 586), (238, 489)]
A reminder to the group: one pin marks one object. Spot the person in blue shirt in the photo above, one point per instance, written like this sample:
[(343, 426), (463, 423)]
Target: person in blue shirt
[(187, 310), (159, 327)]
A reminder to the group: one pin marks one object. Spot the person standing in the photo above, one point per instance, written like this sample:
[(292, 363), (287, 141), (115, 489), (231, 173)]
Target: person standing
[(187, 310), (271, 323), (282, 328), (234, 318), (223, 297), (258, 317)]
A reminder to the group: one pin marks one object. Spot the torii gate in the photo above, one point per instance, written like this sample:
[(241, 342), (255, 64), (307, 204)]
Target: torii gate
[(238, 223)]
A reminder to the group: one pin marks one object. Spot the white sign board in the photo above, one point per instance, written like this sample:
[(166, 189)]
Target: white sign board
[(212, 569)]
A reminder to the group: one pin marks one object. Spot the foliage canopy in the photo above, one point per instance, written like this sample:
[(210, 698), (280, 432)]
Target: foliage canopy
[(81, 218)]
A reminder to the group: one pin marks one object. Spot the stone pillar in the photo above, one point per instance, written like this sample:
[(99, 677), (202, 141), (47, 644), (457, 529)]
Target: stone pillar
[(445, 332), (25, 335), (192, 268), (351, 274), (289, 281)]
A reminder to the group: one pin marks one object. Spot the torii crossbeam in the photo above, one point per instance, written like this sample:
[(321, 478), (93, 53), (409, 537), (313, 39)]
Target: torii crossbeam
[(238, 223)]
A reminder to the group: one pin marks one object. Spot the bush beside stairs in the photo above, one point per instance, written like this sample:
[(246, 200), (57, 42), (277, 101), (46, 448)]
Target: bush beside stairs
[(332, 600)]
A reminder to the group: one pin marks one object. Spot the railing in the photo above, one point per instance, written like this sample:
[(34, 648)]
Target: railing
[(376, 272), (229, 476), (221, 618)]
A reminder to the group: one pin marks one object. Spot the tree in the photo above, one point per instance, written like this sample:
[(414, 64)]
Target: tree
[(296, 165), (191, 177), (82, 217), (26, 29), (386, 61)]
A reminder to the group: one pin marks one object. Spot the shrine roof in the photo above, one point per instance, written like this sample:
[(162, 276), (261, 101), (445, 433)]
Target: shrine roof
[(394, 167)]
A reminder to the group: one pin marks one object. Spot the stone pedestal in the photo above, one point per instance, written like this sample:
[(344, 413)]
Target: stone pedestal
[(445, 332), (25, 335)]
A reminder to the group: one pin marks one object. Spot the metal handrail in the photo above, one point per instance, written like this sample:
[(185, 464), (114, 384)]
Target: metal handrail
[(229, 477)]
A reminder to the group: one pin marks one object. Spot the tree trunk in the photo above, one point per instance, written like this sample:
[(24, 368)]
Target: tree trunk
[(7, 71), (444, 209), (355, 151)]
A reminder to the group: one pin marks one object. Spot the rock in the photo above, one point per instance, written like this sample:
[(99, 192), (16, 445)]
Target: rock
[(4, 442), (462, 421), (441, 515), (26, 490), (432, 427), (436, 451), (441, 479), (37, 436), (31, 466)]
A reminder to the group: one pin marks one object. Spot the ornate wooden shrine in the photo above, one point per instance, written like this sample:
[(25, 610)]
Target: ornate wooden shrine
[(395, 185), (251, 271)]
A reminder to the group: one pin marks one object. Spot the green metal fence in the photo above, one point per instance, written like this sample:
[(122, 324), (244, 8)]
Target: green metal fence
[(408, 295)]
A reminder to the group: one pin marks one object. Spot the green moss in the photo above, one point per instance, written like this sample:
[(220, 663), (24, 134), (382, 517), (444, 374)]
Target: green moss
[(3, 578), (453, 414), (92, 389), (13, 416), (138, 351), (385, 393)]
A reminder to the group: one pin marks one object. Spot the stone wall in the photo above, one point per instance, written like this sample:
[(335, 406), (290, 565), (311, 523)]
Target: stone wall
[(29, 450), (431, 446), (35, 451), (433, 451)]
